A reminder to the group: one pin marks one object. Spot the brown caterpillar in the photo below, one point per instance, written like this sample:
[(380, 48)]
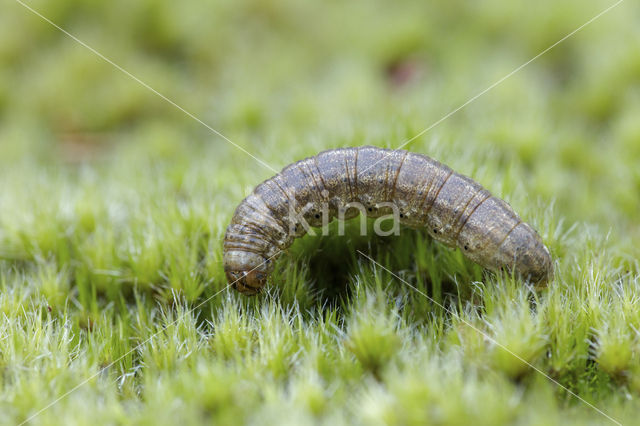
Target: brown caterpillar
[(425, 193)]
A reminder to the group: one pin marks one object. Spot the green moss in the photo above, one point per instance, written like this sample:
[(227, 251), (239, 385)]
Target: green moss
[(114, 203)]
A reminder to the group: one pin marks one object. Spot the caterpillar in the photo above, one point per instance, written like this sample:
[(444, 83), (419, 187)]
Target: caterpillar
[(342, 183)]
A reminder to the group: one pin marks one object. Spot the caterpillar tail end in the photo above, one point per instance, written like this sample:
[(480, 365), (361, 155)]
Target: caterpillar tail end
[(533, 259), (545, 270)]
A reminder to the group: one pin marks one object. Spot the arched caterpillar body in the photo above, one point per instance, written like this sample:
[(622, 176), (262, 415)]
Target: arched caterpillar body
[(455, 210)]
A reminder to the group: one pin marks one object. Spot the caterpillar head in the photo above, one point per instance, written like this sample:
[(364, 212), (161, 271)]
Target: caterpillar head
[(246, 271)]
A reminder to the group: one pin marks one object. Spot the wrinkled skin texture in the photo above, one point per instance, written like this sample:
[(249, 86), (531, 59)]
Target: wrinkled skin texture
[(454, 209)]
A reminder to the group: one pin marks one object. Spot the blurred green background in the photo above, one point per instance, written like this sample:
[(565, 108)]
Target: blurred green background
[(113, 203), (277, 76)]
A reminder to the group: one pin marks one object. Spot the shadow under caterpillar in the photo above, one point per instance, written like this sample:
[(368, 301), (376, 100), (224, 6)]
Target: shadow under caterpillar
[(417, 190)]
